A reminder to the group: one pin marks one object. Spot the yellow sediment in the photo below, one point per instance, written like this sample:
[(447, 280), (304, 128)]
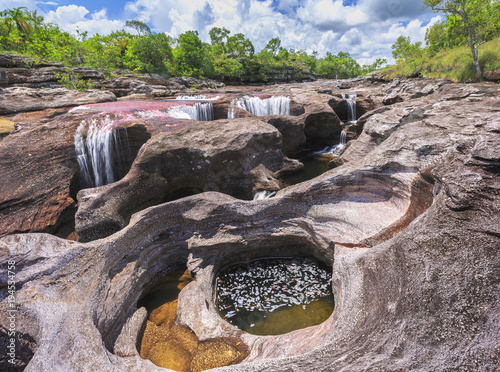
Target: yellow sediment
[(172, 346), (6, 126)]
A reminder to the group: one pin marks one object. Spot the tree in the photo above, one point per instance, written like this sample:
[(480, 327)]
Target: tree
[(404, 50), (218, 37), (192, 57), (474, 16), (149, 53), (141, 28), (17, 17)]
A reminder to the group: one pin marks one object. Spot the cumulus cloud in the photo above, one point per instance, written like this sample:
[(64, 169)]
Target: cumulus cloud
[(327, 15), (73, 17), (364, 28)]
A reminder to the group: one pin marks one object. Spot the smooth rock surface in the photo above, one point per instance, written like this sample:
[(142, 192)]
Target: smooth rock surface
[(410, 224), (19, 99)]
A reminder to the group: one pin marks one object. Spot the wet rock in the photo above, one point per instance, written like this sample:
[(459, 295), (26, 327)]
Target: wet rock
[(39, 176), (321, 124)]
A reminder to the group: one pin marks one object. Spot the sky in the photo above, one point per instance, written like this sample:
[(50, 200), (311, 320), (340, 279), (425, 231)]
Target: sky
[(365, 29)]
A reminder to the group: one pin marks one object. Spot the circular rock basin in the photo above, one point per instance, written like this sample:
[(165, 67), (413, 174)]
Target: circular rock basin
[(275, 296)]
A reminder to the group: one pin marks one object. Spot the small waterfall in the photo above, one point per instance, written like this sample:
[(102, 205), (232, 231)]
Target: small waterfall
[(263, 194), (99, 153), (351, 103), (276, 105), (198, 111), (197, 97), (338, 149)]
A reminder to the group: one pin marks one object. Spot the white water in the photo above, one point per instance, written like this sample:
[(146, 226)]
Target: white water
[(351, 103), (99, 152), (339, 149), (198, 111), (335, 150), (276, 105), (263, 194), (197, 97)]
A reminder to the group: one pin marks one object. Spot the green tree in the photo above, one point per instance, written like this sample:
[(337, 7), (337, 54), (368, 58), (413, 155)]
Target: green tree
[(141, 28), (150, 53), (409, 56), (218, 37), (237, 46), (341, 66), (474, 18), (192, 57), (17, 17)]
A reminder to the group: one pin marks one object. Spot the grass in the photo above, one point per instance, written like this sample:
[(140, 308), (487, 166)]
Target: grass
[(455, 64)]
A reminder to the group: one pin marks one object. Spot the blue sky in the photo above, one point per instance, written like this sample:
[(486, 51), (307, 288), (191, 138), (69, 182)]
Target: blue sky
[(364, 28)]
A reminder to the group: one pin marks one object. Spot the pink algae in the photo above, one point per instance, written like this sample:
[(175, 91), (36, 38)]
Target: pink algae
[(113, 114)]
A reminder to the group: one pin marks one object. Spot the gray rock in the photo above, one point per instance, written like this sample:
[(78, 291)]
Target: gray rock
[(410, 224), (19, 99)]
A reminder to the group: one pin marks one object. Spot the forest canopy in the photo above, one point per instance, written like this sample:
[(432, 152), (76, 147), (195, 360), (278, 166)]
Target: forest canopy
[(229, 57)]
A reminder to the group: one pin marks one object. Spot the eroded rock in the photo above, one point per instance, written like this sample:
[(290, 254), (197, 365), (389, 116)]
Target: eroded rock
[(215, 156), (19, 99), (409, 223)]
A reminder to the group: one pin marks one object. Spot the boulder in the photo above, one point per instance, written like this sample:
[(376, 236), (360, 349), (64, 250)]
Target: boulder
[(214, 156), (39, 177), (321, 124)]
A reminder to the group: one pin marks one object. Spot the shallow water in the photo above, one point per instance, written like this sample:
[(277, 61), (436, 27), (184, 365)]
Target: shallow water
[(313, 167), (275, 296)]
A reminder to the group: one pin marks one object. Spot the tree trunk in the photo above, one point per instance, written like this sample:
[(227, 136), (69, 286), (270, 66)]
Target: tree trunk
[(476, 62), (472, 44)]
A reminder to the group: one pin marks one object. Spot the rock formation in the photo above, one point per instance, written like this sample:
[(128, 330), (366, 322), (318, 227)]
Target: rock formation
[(410, 224)]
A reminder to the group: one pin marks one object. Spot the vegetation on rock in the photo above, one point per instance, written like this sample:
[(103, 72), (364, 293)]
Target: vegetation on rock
[(452, 45)]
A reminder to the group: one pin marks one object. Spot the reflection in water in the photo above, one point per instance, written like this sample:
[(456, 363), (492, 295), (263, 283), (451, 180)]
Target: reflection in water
[(313, 167), (275, 296), (172, 346)]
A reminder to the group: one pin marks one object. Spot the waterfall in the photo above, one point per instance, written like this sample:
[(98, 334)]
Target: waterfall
[(197, 97), (338, 149), (198, 111), (276, 105), (99, 153), (263, 194), (351, 104)]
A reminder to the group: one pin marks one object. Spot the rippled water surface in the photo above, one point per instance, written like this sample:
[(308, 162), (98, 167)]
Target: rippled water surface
[(275, 296)]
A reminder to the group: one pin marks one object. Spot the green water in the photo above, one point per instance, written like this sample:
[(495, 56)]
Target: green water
[(275, 296)]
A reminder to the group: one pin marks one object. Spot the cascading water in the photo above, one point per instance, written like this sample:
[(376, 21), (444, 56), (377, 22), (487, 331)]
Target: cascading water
[(276, 105), (264, 194), (198, 111), (338, 149), (99, 153), (197, 97), (351, 103)]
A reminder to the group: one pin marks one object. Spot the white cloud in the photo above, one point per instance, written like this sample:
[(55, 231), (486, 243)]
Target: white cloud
[(366, 30), (328, 15), (72, 17)]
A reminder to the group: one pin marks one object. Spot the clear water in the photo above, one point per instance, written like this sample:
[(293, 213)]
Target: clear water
[(275, 296), (167, 291), (313, 167)]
